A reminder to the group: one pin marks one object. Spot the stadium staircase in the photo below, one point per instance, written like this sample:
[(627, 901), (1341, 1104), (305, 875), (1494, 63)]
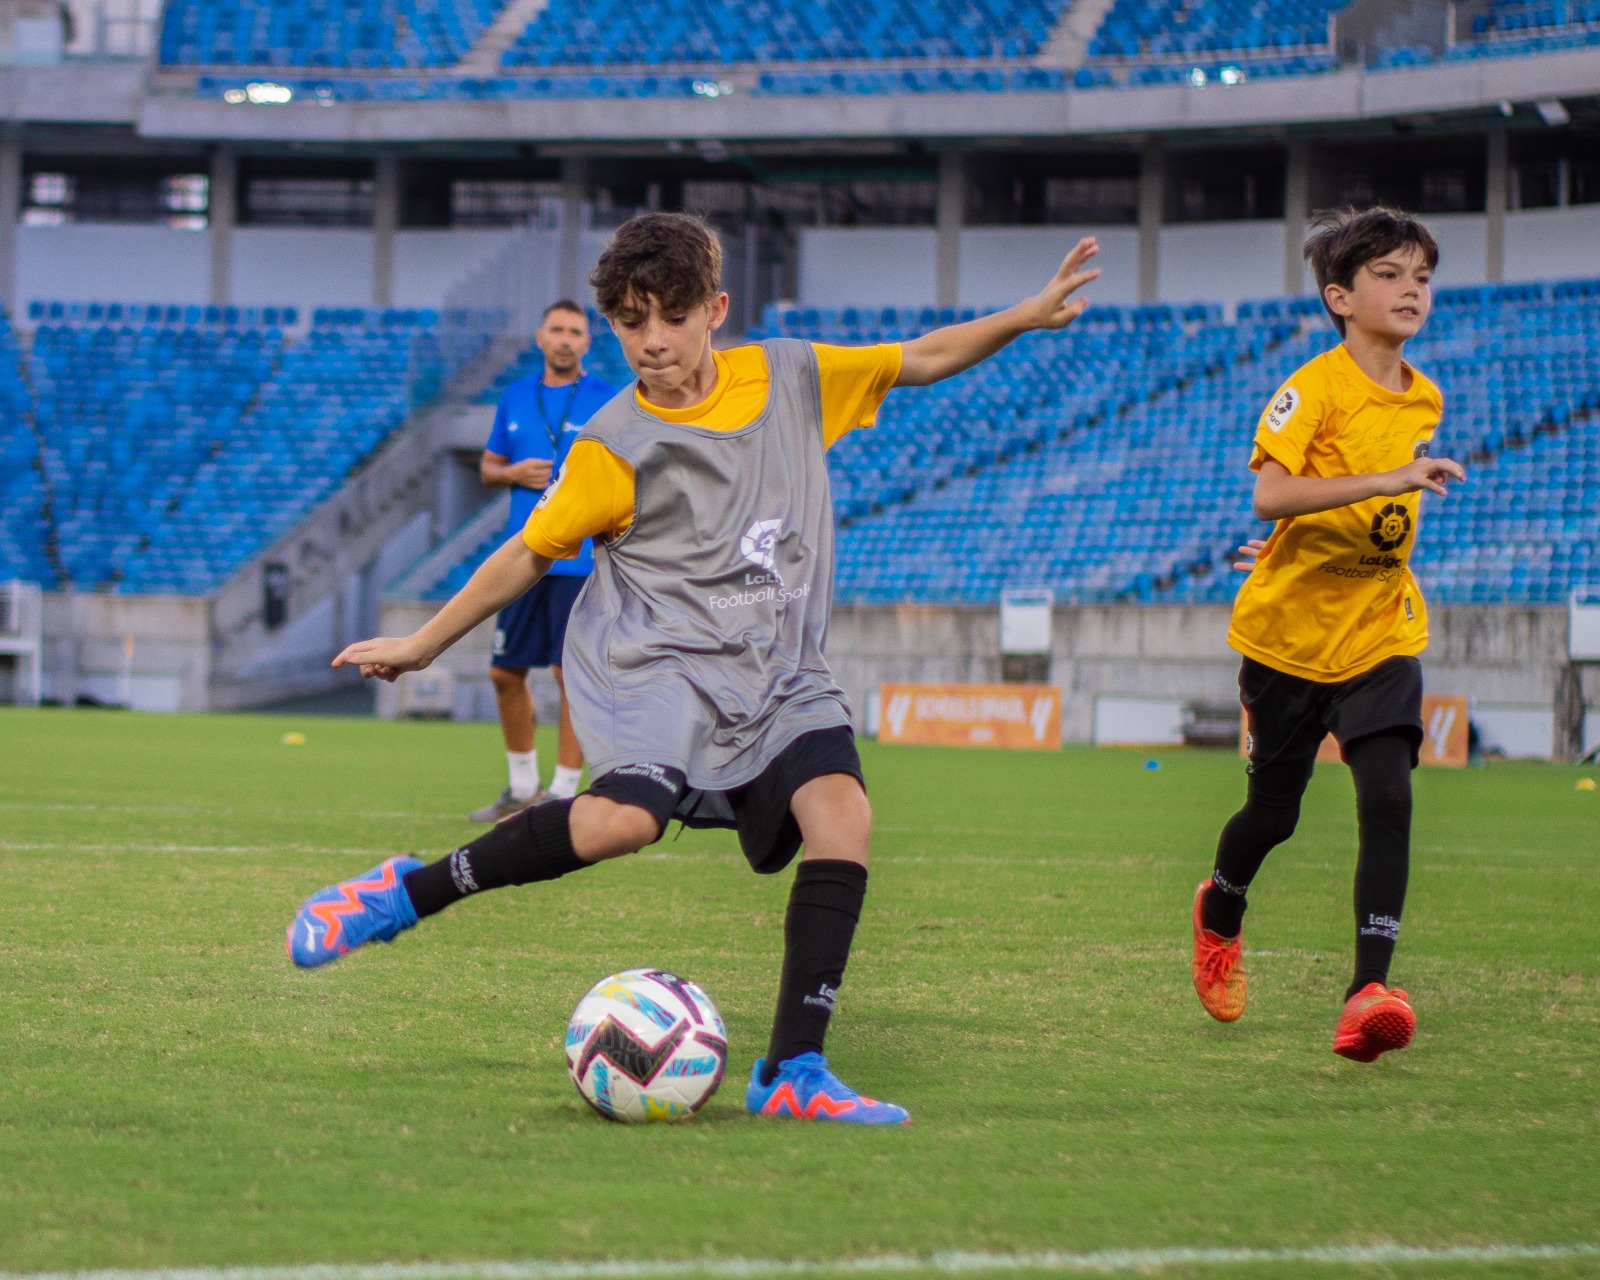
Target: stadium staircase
[(487, 57), (340, 555), (1068, 43)]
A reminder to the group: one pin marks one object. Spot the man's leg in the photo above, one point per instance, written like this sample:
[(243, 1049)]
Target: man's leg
[(518, 721), (569, 754)]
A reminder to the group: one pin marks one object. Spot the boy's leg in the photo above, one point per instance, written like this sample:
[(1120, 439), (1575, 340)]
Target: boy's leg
[(1381, 768), (825, 903), (1269, 817), (544, 842)]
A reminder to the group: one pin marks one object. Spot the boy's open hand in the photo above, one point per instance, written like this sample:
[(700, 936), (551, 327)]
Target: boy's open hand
[(1050, 308), (1249, 554), (384, 658), (1421, 473)]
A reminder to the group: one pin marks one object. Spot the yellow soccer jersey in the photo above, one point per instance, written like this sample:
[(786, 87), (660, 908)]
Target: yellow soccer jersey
[(595, 497), (1331, 595)]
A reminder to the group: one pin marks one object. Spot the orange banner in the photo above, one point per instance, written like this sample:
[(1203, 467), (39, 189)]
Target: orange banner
[(1444, 733), (971, 715)]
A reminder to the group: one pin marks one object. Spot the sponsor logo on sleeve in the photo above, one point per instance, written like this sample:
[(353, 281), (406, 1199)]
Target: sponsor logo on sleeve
[(1282, 409)]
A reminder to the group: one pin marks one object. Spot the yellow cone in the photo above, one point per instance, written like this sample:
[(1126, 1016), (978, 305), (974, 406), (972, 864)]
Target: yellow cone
[(1586, 784), (294, 739)]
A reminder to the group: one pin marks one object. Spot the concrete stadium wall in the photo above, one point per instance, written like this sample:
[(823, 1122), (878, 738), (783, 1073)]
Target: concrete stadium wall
[(1198, 262), (272, 266), (1117, 665), (85, 655)]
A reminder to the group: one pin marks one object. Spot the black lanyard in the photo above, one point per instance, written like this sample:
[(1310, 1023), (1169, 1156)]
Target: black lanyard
[(556, 433)]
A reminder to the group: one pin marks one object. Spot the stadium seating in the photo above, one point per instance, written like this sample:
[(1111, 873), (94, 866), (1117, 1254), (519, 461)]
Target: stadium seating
[(173, 443), (24, 499), (1107, 462), (367, 35), (608, 32), (1140, 29)]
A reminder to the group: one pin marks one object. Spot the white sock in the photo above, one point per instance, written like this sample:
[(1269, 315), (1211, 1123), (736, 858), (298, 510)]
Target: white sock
[(565, 784), (524, 766)]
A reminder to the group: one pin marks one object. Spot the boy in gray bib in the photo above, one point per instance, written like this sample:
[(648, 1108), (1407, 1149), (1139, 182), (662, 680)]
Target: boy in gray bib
[(694, 658)]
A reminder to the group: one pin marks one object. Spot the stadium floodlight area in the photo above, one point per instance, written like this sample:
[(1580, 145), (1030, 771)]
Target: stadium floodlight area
[(1107, 462), (162, 447)]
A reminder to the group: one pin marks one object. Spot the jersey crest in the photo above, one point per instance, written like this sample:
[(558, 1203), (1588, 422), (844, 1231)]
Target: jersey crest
[(1283, 409)]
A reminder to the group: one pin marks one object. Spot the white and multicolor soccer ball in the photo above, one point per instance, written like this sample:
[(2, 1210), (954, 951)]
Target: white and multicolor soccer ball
[(646, 1045)]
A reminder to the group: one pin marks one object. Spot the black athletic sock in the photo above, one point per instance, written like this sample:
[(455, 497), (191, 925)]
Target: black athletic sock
[(824, 905), (1381, 768), (1270, 814), (533, 845)]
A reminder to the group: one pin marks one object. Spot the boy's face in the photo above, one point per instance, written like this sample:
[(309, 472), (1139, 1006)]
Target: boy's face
[(564, 340), (664, 348), (1390, 297)]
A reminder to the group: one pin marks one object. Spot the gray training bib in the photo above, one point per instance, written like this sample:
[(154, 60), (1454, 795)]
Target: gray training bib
[(698, 641)]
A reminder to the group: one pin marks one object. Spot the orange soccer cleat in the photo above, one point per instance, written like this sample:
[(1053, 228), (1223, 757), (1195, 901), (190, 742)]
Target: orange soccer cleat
[(1374, 1021), (1219, 978)]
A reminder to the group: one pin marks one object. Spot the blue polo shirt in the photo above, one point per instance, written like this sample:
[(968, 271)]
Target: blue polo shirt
[(536, 421)]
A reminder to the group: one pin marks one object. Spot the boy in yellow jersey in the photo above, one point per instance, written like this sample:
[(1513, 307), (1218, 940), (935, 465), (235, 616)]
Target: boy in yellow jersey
[(1330, 620)]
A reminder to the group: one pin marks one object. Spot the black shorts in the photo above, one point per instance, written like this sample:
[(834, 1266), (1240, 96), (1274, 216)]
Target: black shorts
[(1288, 717), (531, 630), (758, 811)]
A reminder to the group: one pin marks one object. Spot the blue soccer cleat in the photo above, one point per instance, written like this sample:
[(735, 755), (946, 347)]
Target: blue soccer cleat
[(805, 1089), (372, 907)]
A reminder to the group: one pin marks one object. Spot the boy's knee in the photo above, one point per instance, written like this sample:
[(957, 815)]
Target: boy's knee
[(603, 828)]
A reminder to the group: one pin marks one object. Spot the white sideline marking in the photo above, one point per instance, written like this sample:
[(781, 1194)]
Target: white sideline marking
[(1099, 1262), (23, 846)]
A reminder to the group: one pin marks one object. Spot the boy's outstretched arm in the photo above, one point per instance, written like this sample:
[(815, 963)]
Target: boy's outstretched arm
[(499, 580), (1280, 495), (946, 352)]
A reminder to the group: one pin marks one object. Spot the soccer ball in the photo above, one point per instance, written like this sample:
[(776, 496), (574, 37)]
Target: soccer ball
[(646, 1045)]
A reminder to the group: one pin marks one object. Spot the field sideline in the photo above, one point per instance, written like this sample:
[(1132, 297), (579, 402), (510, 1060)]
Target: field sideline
[(175, 1094)]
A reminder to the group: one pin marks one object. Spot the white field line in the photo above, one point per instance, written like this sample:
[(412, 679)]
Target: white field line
[(1099, 1262)]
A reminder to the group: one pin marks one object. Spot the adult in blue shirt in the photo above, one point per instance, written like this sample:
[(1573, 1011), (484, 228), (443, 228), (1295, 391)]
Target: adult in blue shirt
[(534, 427)]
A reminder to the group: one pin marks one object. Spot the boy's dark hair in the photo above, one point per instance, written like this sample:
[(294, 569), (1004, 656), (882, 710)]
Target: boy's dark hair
[(1344, 240), (564, 304), (673, 258)]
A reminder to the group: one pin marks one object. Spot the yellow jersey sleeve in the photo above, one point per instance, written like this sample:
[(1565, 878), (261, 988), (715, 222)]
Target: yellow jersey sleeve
[(855, 381), (591, 498), (1290, 421)]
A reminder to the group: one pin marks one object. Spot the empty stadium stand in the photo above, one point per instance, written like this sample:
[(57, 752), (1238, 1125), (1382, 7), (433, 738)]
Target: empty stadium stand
[(369, 35), (1108, 462), (573, 50), (161, 447)]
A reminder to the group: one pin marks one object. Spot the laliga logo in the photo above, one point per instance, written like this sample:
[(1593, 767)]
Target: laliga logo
[(759, 542), (898, 709), (1439, 725)]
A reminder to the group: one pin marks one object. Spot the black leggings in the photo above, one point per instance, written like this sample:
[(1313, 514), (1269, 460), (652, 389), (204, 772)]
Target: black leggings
[(1381, 768)]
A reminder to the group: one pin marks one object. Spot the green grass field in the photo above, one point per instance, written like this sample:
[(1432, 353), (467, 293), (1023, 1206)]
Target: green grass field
[(174, 1093)]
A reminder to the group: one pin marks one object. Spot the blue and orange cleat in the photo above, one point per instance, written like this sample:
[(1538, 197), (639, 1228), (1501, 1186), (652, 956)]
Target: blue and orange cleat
[(372, 907), (805, 1089)]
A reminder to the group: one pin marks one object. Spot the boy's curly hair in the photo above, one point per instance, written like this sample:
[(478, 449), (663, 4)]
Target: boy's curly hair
[(1344, 240), (674, 259)]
